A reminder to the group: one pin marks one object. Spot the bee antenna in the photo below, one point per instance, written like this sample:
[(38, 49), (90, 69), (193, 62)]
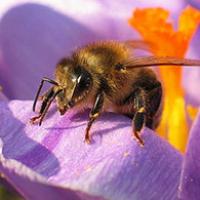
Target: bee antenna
[(44, 79)]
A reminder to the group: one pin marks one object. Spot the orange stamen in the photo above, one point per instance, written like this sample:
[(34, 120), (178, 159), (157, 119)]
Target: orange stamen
[(192, 112), (152, 24)]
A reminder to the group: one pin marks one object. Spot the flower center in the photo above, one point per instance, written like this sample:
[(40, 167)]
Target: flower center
[(153, 26)]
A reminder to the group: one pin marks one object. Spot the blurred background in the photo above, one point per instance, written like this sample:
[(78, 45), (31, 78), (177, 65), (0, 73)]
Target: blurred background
[(7, 192)]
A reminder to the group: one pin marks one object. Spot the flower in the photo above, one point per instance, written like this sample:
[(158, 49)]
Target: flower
[(190, 177), (55, 154), (52, 160)]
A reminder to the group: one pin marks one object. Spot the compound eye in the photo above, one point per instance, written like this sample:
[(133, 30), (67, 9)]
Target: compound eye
[(84, 80)]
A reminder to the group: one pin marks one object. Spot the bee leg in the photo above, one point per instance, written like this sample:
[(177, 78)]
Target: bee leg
[(140, 114), (154, 107), (46, 99), (40, 87), (48, 105), (94, 114)]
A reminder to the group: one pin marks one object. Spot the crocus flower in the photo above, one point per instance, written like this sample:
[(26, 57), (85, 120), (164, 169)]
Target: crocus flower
[(52, 161)]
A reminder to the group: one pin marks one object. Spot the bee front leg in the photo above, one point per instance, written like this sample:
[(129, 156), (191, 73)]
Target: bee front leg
[(94, 114), (45, 101), (139, 118)]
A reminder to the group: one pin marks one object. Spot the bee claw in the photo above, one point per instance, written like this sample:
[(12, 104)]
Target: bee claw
[(34, 120), (87, 140), (137, 137), (31, 121)]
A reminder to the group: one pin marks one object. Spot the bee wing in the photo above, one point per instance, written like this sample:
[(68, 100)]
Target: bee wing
[(149, 61), (139, 44)]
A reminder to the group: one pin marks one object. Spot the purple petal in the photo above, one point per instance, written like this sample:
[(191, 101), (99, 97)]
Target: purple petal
[(34, 37), (7, 190), (194, 3), (190, 178), (33, 186), (191, 75), (114, 166), (3, 97), (191, 82), (32, 44)]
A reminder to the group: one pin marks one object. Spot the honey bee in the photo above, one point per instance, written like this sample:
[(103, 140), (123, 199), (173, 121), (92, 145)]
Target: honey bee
[(106, 76)]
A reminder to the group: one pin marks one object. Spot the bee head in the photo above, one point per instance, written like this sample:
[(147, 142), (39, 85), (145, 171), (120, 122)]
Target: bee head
[(74, 81)]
